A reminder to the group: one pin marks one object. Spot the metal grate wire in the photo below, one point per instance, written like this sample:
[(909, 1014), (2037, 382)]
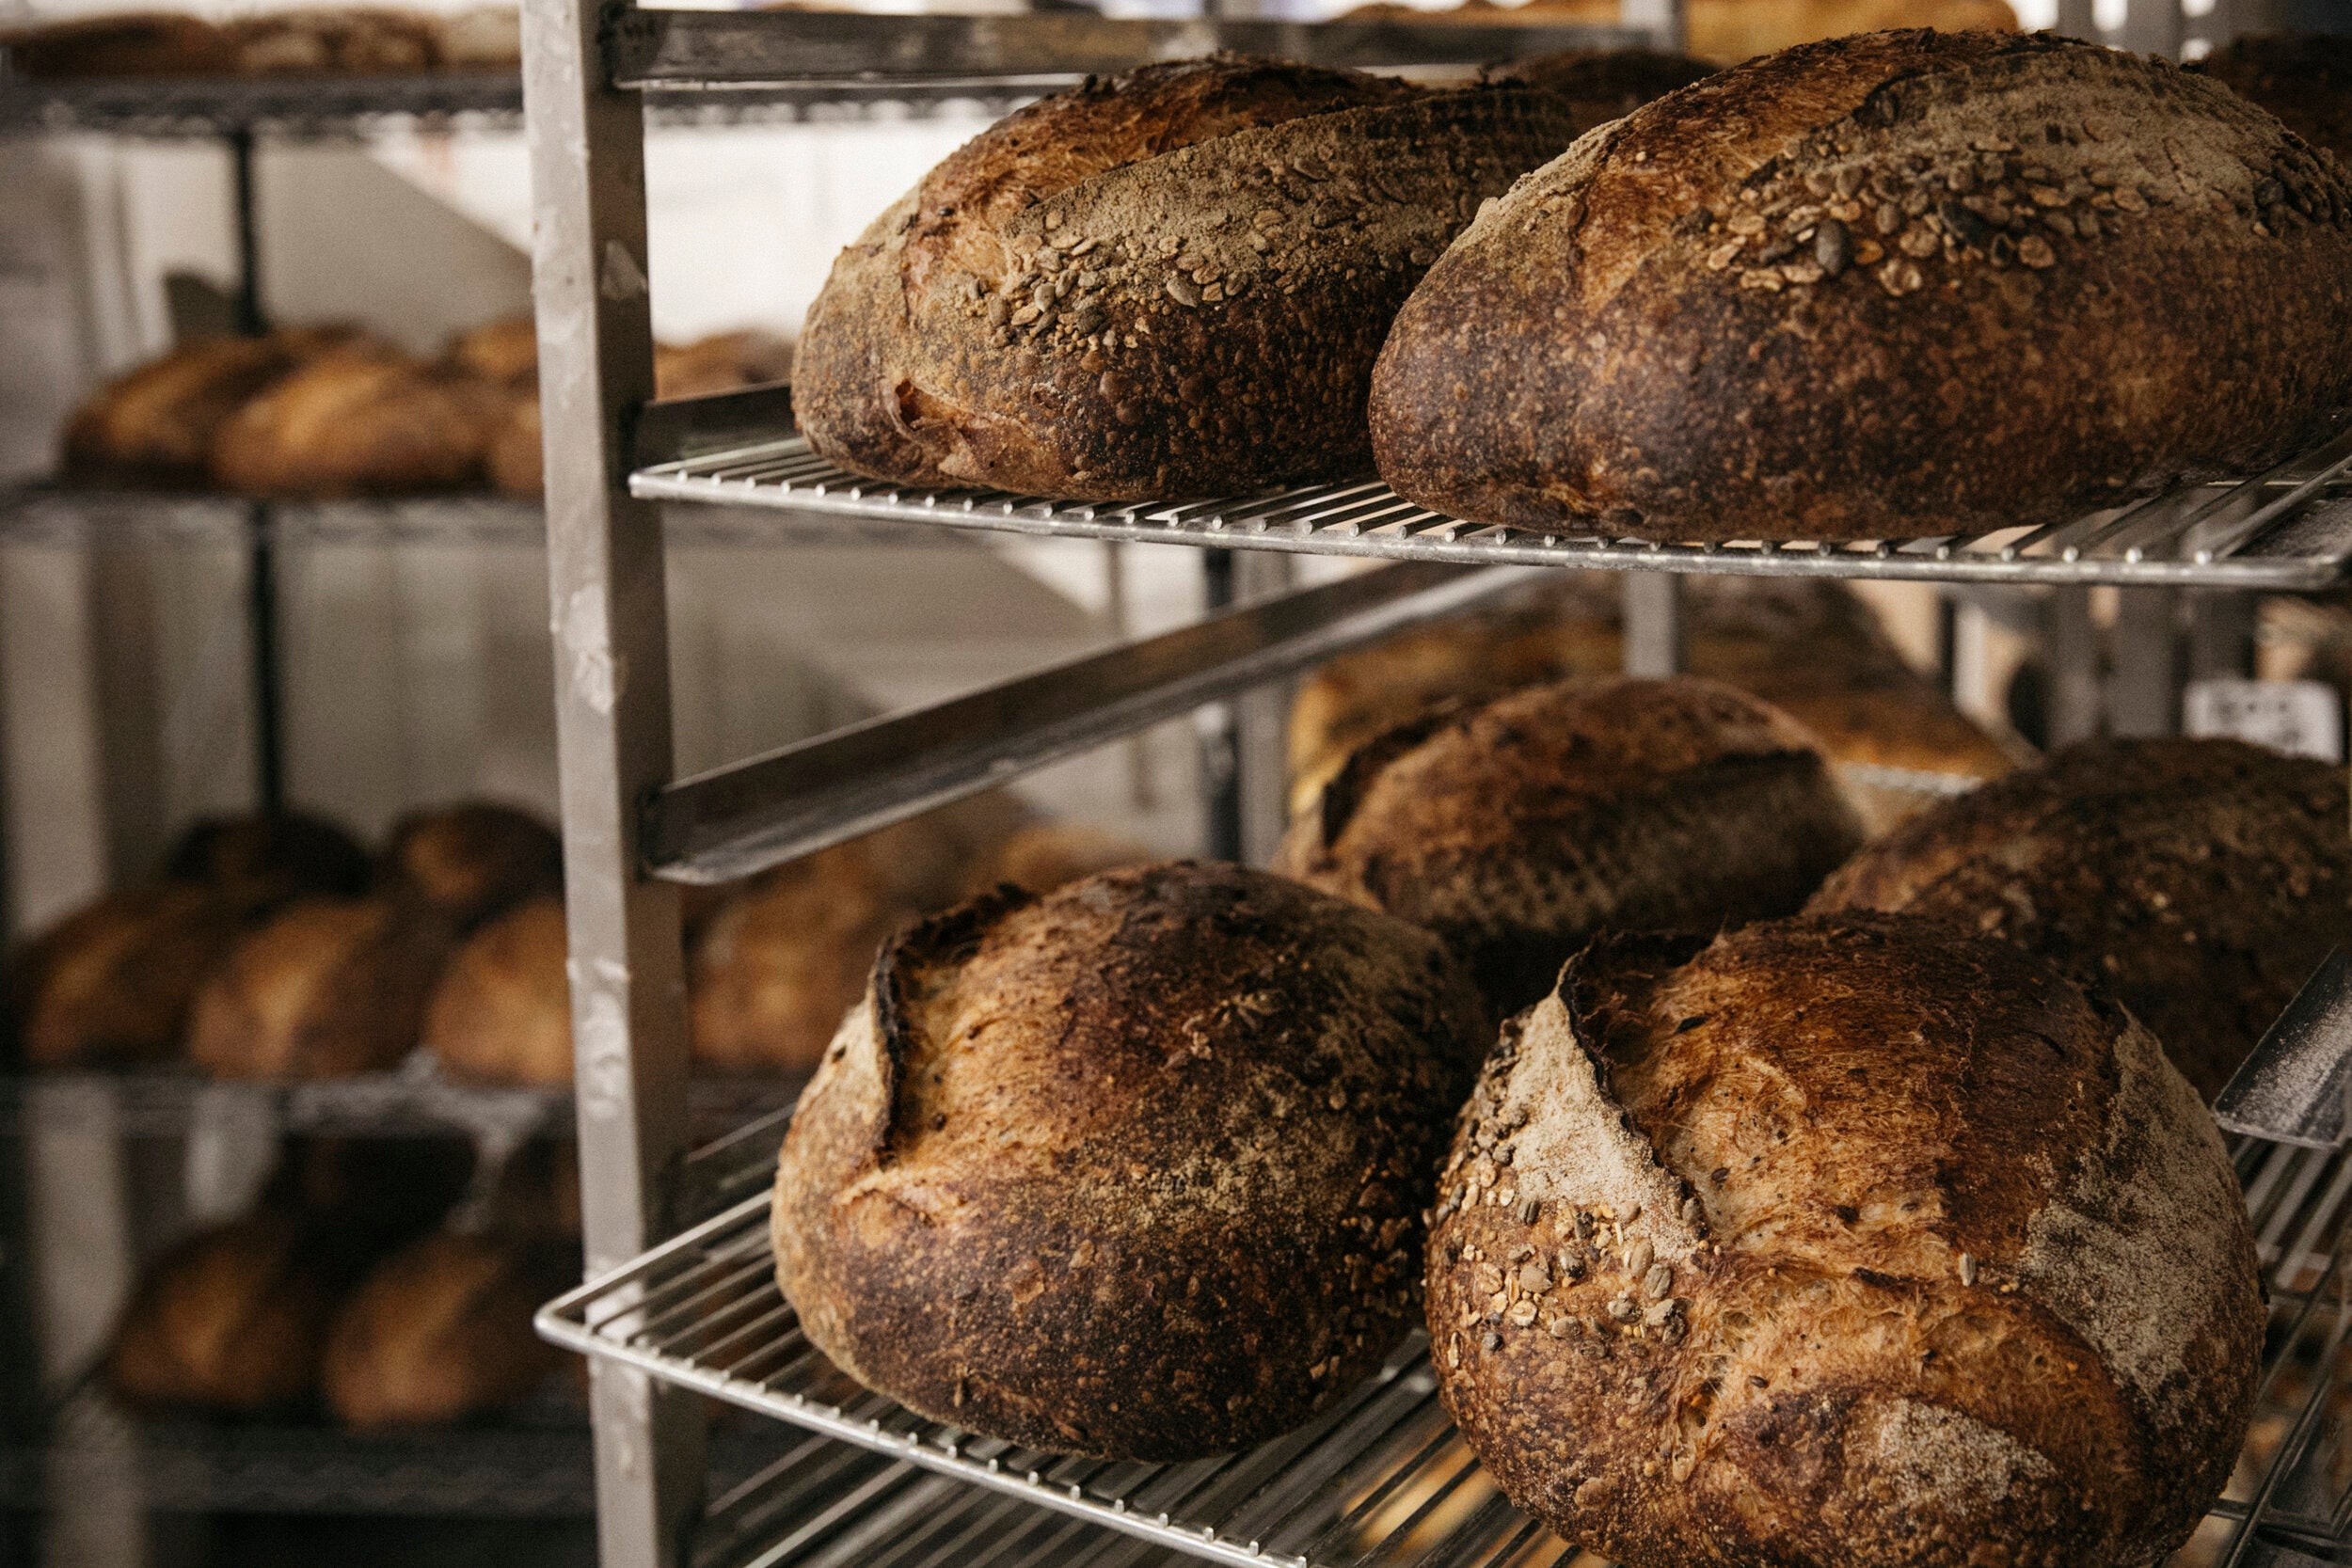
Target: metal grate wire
[(1380, 1480), (2288, 529)]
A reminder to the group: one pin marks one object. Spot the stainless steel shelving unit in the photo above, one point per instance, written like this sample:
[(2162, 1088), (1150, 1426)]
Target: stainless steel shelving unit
[(1379, 1479), (682, 1304)]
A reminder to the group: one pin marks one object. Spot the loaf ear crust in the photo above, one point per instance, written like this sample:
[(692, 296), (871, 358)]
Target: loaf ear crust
[(1848, 1240), (1888, 286), (1135, 1169), (1152, 315)]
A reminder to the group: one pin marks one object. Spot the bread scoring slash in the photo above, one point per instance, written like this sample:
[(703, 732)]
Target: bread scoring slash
[(1843, 1240), (1166, 283), (1889, 286)]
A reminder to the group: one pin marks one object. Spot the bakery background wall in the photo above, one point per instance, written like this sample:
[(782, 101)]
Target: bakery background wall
[(419, 671)]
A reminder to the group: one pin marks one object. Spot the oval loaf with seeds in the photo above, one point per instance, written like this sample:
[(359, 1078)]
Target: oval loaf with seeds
[(1135, 1169), (1887, 286), (1518, 826), (1843, 1240), (2201, 880), (1171, 282)]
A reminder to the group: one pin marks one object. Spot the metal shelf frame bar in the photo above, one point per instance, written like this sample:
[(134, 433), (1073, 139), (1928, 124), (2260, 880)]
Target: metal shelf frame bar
[(739, 819)]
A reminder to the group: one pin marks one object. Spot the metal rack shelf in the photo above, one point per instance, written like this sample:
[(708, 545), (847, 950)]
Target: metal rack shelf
[(416, 1098), (1380, 1480), (49, 512), (2286, 529)]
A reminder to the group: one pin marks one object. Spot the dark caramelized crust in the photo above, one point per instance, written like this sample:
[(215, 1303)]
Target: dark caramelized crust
[(1602, 84), (330, 987), (1169, 282), (1135, 1169), (2303, 78), (1850, 1240), (1887, 286), (467, 862), (1519, 828), (2200, 880)]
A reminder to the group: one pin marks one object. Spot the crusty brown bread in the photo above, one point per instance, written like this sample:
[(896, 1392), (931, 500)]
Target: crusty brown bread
[(1135, 1169), (156, 425), (1518, 828), (2303, 78), (503, 1011), (2201, 880), (1169, 282), (1725, 31), (112, 983), (334, 39), (330, 987), (1889, 286), (505, 351), (1602, 84), (122, 43), (483, 37), (233, 1319), (261, 860), (1851, 1239), (440, 1331), (469, 861), (361, 423), (1809, 646)]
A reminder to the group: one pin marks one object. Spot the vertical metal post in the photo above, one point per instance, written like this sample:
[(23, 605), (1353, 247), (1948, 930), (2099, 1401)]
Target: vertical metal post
[(2073, 653), (1663, 20), (2153, 27), (2144, 695), (610, 622), (262, 641), (1654, 631), (1261, 722), (2078, 19), (1217, 726)]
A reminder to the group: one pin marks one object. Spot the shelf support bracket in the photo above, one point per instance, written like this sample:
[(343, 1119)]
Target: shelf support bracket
[(610, 622)]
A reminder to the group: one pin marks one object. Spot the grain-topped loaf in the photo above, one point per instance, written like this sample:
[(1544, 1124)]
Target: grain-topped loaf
[(1887, 286), (1169, 282), (2201, 880), (1518, 828), (1135, 1169), (1848, 1239)]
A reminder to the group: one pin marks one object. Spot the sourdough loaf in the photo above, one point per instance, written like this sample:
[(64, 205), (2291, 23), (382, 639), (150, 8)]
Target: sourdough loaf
[(112, 983), (235, 1318), (1809, 646), (467, 862), (440, 1331), (260, 860), (1135, 1169), (1888, 286), (1850, 1240), (1168, 282), (1518, 828), (121, 45), (2303, 78), (329, 987), (501, 1012), (361, 423), (156, 424), (2201, 880)]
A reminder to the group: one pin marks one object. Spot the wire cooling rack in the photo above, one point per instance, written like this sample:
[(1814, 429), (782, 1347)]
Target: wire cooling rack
[(2288, 529), (1380, 1480)]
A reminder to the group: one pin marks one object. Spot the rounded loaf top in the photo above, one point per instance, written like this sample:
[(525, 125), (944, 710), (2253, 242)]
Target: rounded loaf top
[(1518, 828), (1132, 1169), (1891, 285), (1844, 1239), (2201, 880)]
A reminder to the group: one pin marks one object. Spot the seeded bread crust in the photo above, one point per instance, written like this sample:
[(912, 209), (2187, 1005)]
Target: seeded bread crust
[(1850, 1240), (1135, 1169), (2201, 880), (1888, 286), (1165, 283), (1518, 828)]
